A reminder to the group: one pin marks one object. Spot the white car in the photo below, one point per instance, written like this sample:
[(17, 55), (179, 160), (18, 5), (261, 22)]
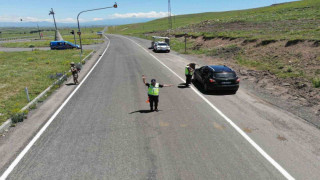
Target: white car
[(161, 46)]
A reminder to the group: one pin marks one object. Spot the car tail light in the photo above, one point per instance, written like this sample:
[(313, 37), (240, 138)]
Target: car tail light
[(212, 81), (238, 80)]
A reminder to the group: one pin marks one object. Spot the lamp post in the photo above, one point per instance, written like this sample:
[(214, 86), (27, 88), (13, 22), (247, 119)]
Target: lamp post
[(79, 31)]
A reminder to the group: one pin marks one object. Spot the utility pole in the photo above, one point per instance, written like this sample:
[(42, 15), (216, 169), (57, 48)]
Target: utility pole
[(54, 19), (169, 15), (38, 30)]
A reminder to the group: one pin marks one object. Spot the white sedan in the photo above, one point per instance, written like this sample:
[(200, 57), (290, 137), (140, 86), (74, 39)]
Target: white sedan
[(161, 46)]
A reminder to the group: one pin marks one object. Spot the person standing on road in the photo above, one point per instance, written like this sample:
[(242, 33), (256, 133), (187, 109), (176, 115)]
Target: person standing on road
[(74, 72), (153, 92), (188, 72)]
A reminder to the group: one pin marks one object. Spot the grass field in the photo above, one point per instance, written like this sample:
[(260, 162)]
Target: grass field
[(35, 70)]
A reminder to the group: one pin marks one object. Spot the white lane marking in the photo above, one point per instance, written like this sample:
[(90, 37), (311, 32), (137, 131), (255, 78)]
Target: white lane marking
[(255, 145), (42, 130)]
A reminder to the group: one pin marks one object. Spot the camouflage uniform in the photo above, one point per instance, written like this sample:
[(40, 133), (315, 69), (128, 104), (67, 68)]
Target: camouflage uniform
[(74, 72)]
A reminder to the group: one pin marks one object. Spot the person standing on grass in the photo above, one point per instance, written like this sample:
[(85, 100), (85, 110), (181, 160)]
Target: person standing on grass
[(74, 72), (153, 92)]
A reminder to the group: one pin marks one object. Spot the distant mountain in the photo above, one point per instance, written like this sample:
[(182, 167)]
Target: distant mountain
[(108, 22)]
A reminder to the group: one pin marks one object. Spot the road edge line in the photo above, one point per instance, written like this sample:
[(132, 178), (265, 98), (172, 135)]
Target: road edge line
[(42, 130), (242, 133)]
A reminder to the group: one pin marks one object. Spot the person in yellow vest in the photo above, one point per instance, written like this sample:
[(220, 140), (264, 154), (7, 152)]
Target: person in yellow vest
[(188, 72), (153, 92)]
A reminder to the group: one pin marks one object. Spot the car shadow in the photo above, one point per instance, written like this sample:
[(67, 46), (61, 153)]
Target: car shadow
[(216, 93), (160, 51)]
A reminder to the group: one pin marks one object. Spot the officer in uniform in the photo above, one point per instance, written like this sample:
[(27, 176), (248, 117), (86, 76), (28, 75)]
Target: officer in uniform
[(74, 72), (188, 72), (153, 92)]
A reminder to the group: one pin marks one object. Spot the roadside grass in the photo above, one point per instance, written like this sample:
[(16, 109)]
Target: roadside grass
[(316, 82), (33, 69)]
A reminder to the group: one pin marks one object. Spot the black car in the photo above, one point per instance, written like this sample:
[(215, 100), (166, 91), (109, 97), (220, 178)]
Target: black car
[(217, 78)]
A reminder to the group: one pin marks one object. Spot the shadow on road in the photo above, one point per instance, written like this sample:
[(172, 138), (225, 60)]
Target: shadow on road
[(182, 86), (71, 84), (141, 111), (216, 93)]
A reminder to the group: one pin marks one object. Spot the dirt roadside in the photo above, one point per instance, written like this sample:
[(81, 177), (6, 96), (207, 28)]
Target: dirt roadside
[(15, 139)]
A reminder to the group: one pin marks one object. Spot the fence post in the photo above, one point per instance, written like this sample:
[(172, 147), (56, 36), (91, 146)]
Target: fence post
[(27, 92)]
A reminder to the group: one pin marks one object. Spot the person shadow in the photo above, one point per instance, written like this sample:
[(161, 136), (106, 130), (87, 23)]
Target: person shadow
[(141, 111), (183, 85), (71, 84)]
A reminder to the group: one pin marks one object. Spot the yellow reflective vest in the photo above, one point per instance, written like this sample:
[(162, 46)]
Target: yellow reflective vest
[(154, 90), (187, 72)]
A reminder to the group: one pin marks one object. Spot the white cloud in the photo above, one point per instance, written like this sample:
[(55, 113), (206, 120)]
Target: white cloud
[(151, 14), (97, 19)]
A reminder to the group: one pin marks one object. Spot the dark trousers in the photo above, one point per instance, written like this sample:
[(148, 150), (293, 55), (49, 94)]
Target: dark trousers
[(188, 79), (155, 100)]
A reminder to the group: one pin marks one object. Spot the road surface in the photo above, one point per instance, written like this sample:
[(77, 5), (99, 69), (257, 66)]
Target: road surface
[(106, 132)]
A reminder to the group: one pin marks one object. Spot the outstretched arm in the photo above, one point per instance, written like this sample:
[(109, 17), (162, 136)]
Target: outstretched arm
[(144, 79)]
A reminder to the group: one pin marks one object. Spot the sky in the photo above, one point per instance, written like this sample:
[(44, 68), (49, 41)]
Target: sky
[(67, 10)]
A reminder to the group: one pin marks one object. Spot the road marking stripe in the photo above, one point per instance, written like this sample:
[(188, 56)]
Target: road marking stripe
[(255, 145), (42, 130)]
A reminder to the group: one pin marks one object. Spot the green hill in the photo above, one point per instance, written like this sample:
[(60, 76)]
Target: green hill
[(295, 20), (282, 39)]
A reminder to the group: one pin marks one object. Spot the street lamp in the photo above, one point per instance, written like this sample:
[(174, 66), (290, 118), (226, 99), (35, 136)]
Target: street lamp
[(79, 31)]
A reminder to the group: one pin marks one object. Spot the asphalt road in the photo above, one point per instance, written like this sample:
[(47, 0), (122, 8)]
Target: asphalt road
[(106, 132)]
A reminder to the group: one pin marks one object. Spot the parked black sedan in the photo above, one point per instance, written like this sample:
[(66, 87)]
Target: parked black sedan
[(217, 78)]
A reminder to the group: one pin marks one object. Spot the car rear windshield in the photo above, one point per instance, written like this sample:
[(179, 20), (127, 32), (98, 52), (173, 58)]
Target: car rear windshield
[(162, 44), (225, 75)]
